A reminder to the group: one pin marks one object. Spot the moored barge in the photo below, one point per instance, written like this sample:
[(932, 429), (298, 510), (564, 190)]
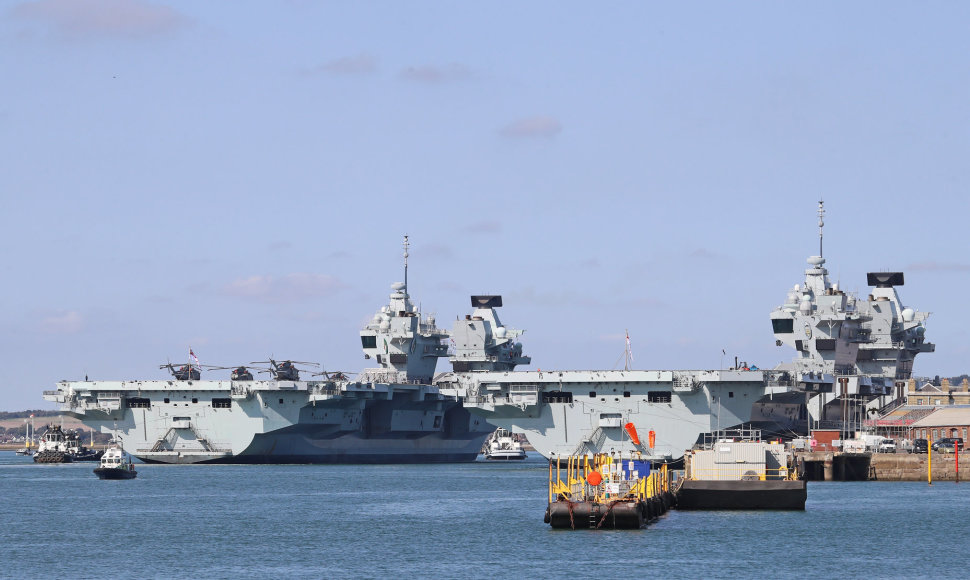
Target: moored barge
[(603, 491)]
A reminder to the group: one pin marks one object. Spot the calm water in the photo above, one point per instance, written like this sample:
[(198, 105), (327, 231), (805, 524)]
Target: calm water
[(480, 520)]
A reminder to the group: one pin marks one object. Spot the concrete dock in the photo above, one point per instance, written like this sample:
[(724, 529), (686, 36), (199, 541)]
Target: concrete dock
[(832, 466), (912, 467), (837, 466)]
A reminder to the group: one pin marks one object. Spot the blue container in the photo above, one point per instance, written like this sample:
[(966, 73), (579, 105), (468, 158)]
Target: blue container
[(630, 465)]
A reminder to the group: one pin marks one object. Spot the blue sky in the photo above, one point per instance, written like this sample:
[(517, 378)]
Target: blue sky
[(237, 177)]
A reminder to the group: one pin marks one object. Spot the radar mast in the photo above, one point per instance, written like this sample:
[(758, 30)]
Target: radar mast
[(406, 246), (821, 223)]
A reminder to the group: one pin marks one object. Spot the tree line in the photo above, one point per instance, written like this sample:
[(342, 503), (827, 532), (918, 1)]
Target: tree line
[(27, 414)]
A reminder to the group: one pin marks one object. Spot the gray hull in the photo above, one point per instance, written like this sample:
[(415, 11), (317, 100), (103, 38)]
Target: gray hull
[(279, 421), (298, 444)]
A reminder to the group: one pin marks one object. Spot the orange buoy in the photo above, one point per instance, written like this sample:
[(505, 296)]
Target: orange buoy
[(653, 438), (633, 433), (594, 478)]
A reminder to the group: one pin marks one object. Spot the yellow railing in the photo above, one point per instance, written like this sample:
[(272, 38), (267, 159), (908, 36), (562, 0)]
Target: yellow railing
[(612, 486)]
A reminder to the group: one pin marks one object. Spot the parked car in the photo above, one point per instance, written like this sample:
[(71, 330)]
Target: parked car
[(919, 446), (948, 444), (887, 446)]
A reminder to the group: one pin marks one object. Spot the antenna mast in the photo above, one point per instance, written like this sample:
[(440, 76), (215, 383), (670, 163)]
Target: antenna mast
[(406, 245), (628, 354), (821, 214)]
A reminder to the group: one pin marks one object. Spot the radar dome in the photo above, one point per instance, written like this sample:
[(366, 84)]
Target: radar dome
[(500, 332), (908, 314), (806, 304), (816, 260), (397, 286)]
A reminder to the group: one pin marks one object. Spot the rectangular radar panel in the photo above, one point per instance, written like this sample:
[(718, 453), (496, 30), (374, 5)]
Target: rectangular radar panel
[(884, 279), (486, 301)]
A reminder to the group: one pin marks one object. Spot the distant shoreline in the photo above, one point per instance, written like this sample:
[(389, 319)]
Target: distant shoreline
[(17, 446)]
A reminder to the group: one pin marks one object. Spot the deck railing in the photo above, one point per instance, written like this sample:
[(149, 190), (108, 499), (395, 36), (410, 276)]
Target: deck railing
[(610, 482)]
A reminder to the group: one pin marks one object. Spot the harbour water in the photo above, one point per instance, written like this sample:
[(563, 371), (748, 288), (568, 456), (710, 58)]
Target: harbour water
[(478, 520)]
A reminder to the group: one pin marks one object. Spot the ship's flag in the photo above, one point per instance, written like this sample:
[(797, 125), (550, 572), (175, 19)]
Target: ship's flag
[(195, 359), (628, 349)]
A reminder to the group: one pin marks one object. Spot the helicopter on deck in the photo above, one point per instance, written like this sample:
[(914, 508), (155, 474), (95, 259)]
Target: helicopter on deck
[(240, 373), (334, 376), (286, 370), (186, 372)]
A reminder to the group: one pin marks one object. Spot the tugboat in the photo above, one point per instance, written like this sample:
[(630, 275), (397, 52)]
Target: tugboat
[(503, 446), (115, 464), (58, 446)]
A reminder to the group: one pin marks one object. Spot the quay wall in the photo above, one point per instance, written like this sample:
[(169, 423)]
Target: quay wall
[(912, 467)]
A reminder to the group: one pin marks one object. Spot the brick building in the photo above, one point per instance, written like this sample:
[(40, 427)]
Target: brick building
[(949, 421), (938, 396)]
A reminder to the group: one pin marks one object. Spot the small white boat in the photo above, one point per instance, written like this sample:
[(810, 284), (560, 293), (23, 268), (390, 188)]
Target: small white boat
[(115, 464), (502, 445)]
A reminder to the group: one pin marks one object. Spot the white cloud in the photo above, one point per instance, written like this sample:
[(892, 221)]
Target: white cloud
[(938, 267), (290, 288), (432, 74), (484, 227), (530, 296), (533, 127), (118, 18), (64, 322), (434, 251), (359, 64), (704, 254), (449, 286)]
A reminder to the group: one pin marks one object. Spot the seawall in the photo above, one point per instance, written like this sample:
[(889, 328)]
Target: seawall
[(912, 467)]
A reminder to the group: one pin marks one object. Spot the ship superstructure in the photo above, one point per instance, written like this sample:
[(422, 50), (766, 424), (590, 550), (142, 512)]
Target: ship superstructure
[(862, 346), (848, 347), (389, 414)]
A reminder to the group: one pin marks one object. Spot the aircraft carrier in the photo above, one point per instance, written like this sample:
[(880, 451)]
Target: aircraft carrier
[(388, 414), (851, 353)]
